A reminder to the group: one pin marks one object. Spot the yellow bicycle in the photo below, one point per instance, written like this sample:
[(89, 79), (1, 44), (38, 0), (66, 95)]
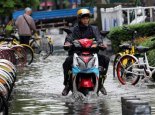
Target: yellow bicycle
[(126, 49), (42, 43), (26, 49), (10, 39)]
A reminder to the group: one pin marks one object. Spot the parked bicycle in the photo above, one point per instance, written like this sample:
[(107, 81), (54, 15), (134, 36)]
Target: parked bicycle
[(127, 48), (20, 50), (7, 80), (12, 41), (131, 68), (42, 43)]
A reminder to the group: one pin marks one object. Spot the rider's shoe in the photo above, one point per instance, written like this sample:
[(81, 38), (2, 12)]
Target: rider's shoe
[(103, 90), (66, 90)]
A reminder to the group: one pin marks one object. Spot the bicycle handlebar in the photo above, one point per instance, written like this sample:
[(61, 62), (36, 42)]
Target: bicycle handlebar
[(8, 39)]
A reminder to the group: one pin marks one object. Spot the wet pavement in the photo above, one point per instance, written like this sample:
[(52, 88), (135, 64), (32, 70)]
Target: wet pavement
[(38, 92)]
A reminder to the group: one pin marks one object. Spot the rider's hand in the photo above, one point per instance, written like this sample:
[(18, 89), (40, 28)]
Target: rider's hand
[(94, 46), (67, 44), (103, 45)]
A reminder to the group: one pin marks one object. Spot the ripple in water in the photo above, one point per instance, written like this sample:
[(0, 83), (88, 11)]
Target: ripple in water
[(79, 97)]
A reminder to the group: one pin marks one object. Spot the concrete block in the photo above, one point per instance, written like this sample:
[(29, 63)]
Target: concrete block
[(124, 101)]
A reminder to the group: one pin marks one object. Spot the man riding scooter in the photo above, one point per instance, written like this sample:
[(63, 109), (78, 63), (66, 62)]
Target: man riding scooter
[(84, 30)]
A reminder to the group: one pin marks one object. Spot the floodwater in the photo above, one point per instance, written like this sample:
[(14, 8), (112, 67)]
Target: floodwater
[(38, 92)]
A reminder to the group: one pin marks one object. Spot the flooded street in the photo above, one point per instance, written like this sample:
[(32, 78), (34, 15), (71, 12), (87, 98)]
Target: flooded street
[(38, 92)]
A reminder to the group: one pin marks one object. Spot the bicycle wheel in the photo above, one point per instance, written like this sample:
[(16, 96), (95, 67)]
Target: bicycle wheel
[(52, 48), (125, 72), (9, 64), (51, 45), (4, 105), (3, 90), (36, 46), (8, 69), (6, 53), (117, 57), (29, 53), (46, 47), (20, 55), (7, 76), (48, 50), (5, 83)]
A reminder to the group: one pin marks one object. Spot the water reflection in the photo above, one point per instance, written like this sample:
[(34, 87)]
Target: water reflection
[(87, 108), (38, 92)]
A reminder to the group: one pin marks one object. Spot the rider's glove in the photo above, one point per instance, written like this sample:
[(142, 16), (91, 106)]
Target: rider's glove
[(67, 43), (102, 45)]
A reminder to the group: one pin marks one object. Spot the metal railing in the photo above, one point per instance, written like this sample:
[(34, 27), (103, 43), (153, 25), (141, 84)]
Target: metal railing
[(117, 16)]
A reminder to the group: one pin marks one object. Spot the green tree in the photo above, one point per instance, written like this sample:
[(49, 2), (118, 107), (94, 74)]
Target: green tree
[(8, 6)]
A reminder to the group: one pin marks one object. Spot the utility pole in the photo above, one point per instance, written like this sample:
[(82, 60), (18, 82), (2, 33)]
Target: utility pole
[(99, 1), (56, 4), (76, 2), (45, 4), (61, 4), (81, 4)]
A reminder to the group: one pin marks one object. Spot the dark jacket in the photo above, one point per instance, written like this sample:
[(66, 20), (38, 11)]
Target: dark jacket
[(80, 32)]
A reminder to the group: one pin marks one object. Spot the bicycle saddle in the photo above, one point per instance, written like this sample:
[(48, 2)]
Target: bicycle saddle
[(8, 39), (125, 46), (142, 49)]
